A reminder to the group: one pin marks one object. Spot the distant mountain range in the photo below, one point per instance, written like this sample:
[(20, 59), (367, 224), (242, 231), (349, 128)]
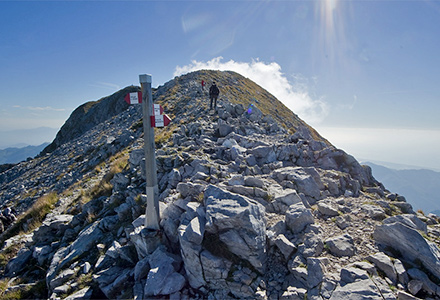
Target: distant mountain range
[(34, 136), (15, 155), (420, 187)]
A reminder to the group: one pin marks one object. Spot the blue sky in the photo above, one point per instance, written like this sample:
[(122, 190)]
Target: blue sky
[(364, 73)]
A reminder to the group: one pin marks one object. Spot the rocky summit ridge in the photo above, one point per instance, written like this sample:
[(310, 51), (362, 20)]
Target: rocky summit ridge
[(254, 203)]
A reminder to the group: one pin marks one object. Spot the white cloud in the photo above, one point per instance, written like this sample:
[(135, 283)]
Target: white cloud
[(269, 75), (38, 108)]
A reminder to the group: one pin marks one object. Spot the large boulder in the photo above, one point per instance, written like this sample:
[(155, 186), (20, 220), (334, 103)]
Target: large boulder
[(411, 244), (53, 226), (239, 222), (409, 220)]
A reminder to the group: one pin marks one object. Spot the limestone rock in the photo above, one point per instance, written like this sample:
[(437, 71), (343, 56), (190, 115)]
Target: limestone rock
[(384, 263), (357, 290), (215, 269), (402, 275), (85, 293), (373, 211), (411, 244), (239, 222), (328, 208), (306, 180), (312, 246), (19, 262), (112, 281), (414, 286), (286, 247), (191, 258), (53, 226), (190, 189), (163, 280), (351, 274), (405, 296), (342, 245), (409, 220), (298, 217), (428, 286), (316, 271)]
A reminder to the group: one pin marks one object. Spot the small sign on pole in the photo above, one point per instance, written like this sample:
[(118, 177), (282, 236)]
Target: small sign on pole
[(160, 120), (157, 109), (133, 98)]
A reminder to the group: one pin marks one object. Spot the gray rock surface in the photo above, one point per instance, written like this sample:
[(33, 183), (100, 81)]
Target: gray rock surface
[(411, 244), (298, 217), (358, 290), (239, 222), (341, 245), (384, 263)]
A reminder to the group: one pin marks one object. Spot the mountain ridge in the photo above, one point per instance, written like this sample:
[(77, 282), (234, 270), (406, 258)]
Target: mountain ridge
[(418, 185), (88, 115), (253, 206)]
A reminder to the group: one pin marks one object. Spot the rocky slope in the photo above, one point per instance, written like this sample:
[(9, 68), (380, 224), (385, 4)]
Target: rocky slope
[(254, 204), (88, 115)]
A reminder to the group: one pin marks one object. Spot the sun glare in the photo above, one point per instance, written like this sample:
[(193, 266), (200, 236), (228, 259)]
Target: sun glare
[(327, 17), (332, 41)]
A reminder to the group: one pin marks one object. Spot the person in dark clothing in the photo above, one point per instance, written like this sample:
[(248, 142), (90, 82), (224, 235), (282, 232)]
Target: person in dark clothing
[(213, 94)]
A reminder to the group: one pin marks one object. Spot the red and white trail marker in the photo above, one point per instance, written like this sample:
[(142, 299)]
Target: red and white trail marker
[(157, 110), (133, 98), (160, 120)]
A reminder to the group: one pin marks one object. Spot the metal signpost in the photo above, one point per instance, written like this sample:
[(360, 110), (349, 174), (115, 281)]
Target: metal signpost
[(152, 210), (152, 117)]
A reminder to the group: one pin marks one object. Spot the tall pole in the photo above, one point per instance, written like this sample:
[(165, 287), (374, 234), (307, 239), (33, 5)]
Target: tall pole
[(152, 210)]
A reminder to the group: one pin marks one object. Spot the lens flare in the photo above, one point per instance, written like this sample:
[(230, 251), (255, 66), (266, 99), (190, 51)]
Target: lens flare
[(332, 43)]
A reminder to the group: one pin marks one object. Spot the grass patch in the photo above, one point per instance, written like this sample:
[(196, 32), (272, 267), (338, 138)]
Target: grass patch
[(118, 163), (34, 291), (33, 217), (85, 280), (164, 135), (30, 194), (102, 188), (200, 197), (7, 254)]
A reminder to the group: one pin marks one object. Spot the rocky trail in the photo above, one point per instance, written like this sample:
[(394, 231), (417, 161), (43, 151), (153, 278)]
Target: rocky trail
[(254, 204)]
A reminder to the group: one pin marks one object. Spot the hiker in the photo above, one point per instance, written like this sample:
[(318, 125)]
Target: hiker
[(213, 94), (7, 217)]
